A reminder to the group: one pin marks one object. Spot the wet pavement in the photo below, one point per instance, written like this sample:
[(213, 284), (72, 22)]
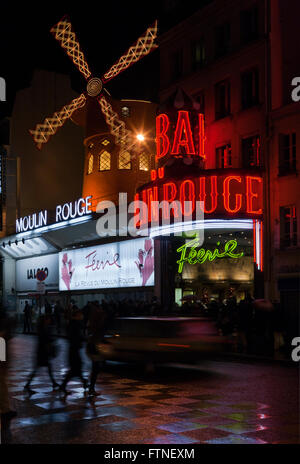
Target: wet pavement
[(213, 402)]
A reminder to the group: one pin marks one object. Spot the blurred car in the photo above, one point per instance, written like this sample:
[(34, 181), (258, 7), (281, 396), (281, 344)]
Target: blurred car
[(162, 339)]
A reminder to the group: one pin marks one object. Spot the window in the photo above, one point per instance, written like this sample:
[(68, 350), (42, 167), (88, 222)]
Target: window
[(200, 99), (124, 160), (198, 54), (177, 64), (251, 151), (288, 226), (249, 24), (125, 111), (223, 157), (144, 162), (222, 39), (249, 88), (222, 99), (105, 142), (90, 164), (104, 161), (287, 153)]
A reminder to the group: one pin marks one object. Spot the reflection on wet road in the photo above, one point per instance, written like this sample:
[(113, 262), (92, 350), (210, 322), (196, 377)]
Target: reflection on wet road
[(218, 402)]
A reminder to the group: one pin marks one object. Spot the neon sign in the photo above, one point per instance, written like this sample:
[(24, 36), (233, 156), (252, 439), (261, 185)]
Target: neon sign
[(225, 195), (188, 138), (71, 210), (190, 255)]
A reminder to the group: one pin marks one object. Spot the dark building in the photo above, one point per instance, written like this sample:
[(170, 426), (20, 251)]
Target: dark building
[(237, 60)]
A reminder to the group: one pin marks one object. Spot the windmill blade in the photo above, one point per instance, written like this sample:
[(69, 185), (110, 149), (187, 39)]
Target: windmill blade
[(144, 45), (62, 32), (123, 136), (42, 132)]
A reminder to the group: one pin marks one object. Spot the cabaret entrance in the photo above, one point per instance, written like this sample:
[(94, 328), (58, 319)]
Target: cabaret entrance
[(219, 256), (228, 263)]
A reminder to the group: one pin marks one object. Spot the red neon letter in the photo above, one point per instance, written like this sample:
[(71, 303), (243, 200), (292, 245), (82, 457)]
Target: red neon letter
[(183, 135), (161, 173), (251, 194), (139, 216), (213, 193), (153, 174), (162, 126), (226, 194), (152, 195), (170, 192), (190, 194), (201, 136)]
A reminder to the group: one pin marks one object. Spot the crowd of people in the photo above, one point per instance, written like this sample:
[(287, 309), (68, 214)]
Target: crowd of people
[(259, 326), (89, 324)]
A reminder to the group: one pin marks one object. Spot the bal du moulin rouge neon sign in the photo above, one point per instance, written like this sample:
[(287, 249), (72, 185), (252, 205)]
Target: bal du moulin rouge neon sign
[(230, 192)]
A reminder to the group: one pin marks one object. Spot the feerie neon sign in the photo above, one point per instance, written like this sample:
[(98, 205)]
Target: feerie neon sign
[(190, 255), (187, 139)]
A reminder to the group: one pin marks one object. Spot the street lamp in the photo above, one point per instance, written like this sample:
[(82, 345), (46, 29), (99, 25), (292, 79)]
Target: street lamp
[(140, 137)]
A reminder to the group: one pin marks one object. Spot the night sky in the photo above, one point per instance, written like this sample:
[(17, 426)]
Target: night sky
[(104, 32)]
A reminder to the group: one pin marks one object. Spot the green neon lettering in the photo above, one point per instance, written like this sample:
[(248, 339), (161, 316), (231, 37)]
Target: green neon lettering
[(201, 256), (194, 257), (229, 247)]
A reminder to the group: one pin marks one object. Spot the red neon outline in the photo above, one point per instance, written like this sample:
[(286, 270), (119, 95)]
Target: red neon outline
[(213, 193), (161, 173), (152, 195), (144, 199), (257, 151), (169, 200), (226, 194), (261, 246), (201, 136), (161, 133), (250, 194), (254, 240), (137, 221), (183, 126), (153, 174), (191, 194)]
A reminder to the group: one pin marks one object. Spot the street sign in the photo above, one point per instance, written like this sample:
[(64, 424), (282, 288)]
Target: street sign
[(40, 287), (41, 275)]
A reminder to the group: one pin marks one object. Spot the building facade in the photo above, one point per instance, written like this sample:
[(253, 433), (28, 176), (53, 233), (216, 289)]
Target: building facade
[(226, 135), (237, 60), (61, 241)]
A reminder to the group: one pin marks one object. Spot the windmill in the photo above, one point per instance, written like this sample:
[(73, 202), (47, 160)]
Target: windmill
[(64, 34)]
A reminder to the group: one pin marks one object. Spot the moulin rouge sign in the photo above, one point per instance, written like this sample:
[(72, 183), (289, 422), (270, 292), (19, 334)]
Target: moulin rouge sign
[(231, 192), (71, 210)]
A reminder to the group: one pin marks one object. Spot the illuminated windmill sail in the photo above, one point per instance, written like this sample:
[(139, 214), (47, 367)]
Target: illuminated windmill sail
[(63, 32)]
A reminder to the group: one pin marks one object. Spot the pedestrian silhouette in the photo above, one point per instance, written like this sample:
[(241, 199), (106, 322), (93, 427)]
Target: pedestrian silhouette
[(45, 351), (96, 328), (6, 413), (27, 318), (75, 343)]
